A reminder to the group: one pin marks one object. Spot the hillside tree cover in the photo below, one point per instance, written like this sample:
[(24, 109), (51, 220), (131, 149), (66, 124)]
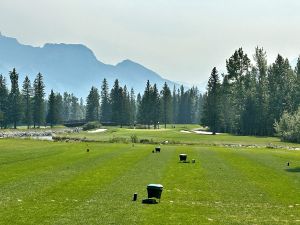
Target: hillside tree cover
[(246, 100), (255, 96)]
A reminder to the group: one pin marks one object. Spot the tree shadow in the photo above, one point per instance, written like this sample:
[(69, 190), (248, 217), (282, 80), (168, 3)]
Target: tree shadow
[(293, 170)]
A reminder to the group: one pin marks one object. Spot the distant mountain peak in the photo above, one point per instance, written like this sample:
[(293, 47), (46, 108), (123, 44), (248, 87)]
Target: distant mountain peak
[(10, 39), (72, 67), (128, 62)]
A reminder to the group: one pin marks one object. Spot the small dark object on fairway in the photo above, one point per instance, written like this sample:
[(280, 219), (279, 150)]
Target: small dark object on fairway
[(149, 201), (288, 164), (87, 150), (154, 190), (157, 149), (182, 157), (193, 160), (134, 197), (153, 151)]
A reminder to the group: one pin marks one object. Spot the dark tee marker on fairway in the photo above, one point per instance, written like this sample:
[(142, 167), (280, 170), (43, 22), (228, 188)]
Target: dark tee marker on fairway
[(182, 157)]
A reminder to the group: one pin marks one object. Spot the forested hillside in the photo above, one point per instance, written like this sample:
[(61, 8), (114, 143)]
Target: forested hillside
[(252, 95)]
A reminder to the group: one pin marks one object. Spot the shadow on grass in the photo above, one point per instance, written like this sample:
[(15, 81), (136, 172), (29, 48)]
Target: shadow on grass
[(294, 170), (149, 201)]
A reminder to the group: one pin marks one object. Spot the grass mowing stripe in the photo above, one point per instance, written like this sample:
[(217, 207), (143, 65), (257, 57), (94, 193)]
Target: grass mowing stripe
[(117, 195), (185, 194), (58, 170), (283, 183), (69, 193), (23, 170), (270, 191), (277, 161)]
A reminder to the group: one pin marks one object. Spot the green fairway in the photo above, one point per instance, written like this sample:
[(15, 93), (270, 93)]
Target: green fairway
[(176, 136), (60, 183)]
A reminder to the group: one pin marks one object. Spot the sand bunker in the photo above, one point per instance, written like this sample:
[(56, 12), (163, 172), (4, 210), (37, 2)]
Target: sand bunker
[(185, 131), (97, 131), (203, 132)]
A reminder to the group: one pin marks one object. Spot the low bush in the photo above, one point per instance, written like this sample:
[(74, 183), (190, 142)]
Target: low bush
[(118, 140), (91, 125), (134, 138), (288, 128)]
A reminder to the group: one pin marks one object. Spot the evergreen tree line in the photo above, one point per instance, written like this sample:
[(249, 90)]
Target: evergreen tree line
[(119, 106), (251, 97), (29, 107)]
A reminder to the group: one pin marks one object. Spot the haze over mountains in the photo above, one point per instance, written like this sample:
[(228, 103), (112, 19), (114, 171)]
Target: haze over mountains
[(72, 67)]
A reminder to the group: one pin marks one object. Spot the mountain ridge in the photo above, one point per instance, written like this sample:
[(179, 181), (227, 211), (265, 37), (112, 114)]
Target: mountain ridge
[(72, 67)]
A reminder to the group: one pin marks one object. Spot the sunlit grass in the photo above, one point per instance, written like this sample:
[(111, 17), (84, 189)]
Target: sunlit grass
[(61, 183)]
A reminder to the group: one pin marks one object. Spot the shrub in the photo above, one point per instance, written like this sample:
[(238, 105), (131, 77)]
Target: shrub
[(145, 141), (288, 128), (134, 138), (91, 125), (118, 140)]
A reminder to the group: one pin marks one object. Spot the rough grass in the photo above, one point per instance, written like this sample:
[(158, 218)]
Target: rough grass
[(60, 183)]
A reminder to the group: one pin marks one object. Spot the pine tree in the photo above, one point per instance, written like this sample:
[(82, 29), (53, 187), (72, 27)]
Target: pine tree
[(238, 66), (248, 125), (15, 109), (145, 107), (105, 102), (52, 116), (59, 108), (154, 106), (199, 109), (182, 104), (166, 101), (297, 88), (227, 110), (82, 109), (281, 87), (3, 102), (139, 108), (27, 101), (92, 105), (116, 103), (38, 101), (175, 105), (74, 108), (211, 109), (133, 112), (262, 95), (66, 106), (125, 107)]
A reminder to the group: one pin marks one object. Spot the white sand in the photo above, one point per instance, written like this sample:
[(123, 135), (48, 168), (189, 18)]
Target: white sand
[(203, 132), (185, 131), (97, 131)]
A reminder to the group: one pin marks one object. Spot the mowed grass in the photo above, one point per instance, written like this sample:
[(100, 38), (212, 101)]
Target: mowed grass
[(60, 183), (174, 135)]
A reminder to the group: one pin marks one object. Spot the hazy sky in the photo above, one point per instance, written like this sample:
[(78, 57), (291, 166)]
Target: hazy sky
[(180, 39)]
